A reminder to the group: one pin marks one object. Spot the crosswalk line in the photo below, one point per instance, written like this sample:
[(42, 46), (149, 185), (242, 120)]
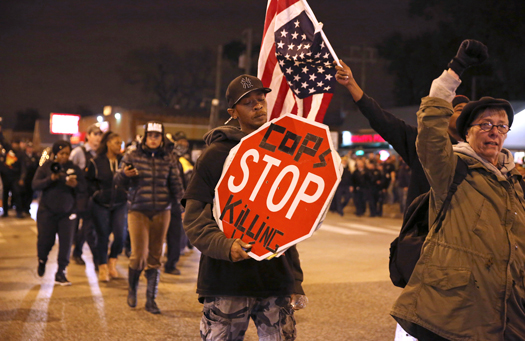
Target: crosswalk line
[(370, 228), (340, 230)]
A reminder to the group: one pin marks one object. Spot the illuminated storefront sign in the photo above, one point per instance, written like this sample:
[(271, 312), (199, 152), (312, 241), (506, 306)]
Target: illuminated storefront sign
[(64, 124)]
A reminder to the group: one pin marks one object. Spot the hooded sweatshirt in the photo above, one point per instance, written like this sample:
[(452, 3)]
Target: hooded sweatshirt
[(218, 275)]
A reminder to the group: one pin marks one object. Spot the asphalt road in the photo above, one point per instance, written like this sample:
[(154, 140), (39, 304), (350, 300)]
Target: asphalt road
[(346, 280)]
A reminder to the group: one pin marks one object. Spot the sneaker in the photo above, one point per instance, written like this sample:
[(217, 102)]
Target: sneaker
[(41, 267), (173, 271), (60, 278), (78, 260)]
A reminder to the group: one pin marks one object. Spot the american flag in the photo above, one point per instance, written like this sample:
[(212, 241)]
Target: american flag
[(295, 61)]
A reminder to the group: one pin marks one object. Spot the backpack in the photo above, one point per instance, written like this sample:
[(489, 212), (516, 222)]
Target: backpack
[(406, 248)]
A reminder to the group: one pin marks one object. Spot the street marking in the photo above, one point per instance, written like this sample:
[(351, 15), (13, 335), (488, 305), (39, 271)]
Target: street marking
[(38, 313), (340, 230), (370, 228)]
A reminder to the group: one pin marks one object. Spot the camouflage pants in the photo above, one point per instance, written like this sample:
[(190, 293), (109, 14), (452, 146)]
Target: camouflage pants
[(227, 318)]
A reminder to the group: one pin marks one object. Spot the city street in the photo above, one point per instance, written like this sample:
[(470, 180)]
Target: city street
[(346, 280)]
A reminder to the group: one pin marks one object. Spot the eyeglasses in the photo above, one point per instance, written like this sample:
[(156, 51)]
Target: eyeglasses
[(487, 126)]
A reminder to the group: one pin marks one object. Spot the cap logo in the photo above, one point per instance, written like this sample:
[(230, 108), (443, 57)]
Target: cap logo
[(246, 83), (154, 127)]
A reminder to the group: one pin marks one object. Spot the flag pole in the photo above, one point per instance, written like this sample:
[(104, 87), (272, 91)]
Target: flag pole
[(325, 39)]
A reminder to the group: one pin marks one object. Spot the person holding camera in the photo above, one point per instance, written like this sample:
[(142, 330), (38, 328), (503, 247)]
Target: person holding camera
[(61, 183)]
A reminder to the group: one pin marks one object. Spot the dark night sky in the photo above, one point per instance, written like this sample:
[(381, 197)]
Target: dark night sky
[(64, 53)]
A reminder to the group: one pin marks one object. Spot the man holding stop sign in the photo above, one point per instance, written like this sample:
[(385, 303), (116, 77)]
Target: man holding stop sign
[(233, 286)]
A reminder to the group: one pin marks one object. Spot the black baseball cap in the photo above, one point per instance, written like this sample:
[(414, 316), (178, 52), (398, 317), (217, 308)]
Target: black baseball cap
[(241, 86), (470, 111)]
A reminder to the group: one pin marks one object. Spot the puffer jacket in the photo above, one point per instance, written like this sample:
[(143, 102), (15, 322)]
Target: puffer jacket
[(469, 281), (158, 183)]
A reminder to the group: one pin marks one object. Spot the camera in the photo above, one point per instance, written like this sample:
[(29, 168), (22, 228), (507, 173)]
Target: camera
[(56, 167)]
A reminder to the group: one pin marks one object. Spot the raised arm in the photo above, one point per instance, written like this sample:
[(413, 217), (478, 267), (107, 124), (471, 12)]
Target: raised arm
[(394, 130), (433, 143)]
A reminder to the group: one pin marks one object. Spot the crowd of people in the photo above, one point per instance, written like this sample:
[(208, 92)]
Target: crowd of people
[(83, 195), (468, 282), (367, 183)]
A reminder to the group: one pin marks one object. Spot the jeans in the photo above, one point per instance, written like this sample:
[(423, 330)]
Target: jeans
[(107, 221), (176, 239)]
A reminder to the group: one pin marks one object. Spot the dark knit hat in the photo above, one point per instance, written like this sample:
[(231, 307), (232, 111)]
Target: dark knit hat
[(473, 108), (59, 145), (180, 135), (459, 99), (241, 86)]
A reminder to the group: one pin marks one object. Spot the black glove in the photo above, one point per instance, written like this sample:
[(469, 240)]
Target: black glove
[(471, 52)]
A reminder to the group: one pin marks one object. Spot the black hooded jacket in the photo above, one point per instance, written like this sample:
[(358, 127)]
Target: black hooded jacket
[(57, 197), (218, 275)]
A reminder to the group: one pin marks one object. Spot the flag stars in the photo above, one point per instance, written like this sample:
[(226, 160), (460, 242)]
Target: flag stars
[(305, 69), (297, 78), (327, 88), (301, 55), (326, 55), (303, 36), (317, 55), (320, 84), (289, 70), (295, 35), (287, 56), (281, 62), (300, 46), (304, 85), (296, 23), (328, 77), (311, 90), (280, 44), (306, 46), (320, 69), (322, 45), (313, 77), (291, 46), (284, 33)]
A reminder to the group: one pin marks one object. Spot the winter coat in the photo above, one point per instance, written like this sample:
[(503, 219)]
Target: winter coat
[(158, 183), (57, 197), (101, 185), (471, 272)]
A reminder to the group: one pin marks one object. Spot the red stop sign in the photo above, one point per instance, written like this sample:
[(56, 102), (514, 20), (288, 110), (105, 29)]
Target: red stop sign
[(276, 185)]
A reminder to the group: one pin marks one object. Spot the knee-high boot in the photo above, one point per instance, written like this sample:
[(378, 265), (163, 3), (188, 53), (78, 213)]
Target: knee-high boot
[(152, 275), (133, 280)]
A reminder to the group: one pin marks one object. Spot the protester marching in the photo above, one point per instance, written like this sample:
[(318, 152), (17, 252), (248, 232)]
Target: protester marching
[(241, 198)]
